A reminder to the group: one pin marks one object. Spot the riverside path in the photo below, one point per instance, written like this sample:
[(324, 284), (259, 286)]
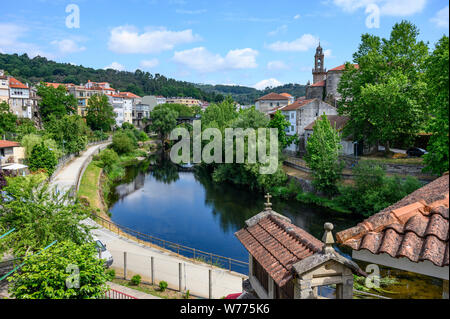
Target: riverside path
[(199, 278)]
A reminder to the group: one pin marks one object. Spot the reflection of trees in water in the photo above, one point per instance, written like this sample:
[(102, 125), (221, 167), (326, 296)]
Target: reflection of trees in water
[(231, 204), (133, 180), (164, 170), (234, 205)]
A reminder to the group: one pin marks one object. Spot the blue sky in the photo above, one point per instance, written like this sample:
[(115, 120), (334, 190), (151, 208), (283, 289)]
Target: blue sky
[(247, 42)]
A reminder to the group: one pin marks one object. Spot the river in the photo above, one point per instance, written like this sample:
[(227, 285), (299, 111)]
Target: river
[(188, 208)]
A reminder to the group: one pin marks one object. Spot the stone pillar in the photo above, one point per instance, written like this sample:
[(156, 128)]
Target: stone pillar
[(445, 289), (303, 289), (347, 287)]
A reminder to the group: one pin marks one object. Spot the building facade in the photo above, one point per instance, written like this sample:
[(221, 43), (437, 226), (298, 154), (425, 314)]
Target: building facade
[(19, 99), (4, 87), (271, 101)]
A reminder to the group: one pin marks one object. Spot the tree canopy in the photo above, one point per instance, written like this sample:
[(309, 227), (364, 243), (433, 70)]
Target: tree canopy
[(100, 114), (437, 94), (385, 96), (55, 102)]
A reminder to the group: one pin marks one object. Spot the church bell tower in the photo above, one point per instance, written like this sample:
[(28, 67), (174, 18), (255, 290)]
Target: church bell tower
[(319, 71)]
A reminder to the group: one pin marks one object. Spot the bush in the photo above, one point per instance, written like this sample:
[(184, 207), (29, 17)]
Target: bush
[(136, 280), (111, 273), (42, 158), (163, 286), (124, 143), (187, 295), (109, 158), (373, 190)]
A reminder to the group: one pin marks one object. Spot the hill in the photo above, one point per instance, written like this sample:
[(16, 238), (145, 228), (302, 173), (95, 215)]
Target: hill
[(247, 95), (139, 82)]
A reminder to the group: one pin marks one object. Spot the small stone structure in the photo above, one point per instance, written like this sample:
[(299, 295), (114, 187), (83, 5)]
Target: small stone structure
[(286, 262)]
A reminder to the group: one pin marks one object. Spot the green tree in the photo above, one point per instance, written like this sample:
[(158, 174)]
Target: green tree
[(322, 157), (100, 114), (373, 190), (42, 158), (280, 122), (437, 79), (55, 101), (25, 127), (109, 158), (50, 274), (70, 132), (384, 97), (40, 215), (29, 141), (123, 142), (164, 120), (8, 120)]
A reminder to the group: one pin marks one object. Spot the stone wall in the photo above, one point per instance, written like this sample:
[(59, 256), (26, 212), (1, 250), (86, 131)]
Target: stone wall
[(314, 92)]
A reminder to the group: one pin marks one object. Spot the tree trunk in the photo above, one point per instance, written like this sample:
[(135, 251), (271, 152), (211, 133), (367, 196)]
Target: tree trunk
[(387, 148)]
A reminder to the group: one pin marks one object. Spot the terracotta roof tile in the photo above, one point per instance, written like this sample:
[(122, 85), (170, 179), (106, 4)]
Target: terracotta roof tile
[(417, 227), (321, 83), (13, 83), (277, 245), (7, 144), (342, 67), (297, 104), (273, 96)]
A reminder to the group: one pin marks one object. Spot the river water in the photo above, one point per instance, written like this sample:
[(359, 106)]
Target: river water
[(188, 208)]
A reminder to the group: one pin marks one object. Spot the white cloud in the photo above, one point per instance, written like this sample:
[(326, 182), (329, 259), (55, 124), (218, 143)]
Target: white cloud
[(276, 66), (67, 46), (398, 8), (11, 41), (296, 17), (126, 39), (441, 18), (281, 29), (115, 66), (304, 43), (149, 64), (267, 83), (200, 59), (181, 11), (328, 53)]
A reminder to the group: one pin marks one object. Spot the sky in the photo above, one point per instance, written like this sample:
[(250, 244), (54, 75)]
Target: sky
[(247, 42)]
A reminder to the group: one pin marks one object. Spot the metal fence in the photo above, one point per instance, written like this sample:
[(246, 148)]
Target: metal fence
[(114, 294), (202, 256)]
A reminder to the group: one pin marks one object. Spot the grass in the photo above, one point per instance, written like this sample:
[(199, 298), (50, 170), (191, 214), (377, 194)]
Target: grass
[(89, 186), (151, 290)]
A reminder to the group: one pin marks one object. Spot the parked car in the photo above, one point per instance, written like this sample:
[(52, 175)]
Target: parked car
[(416, 152), (103, 252)]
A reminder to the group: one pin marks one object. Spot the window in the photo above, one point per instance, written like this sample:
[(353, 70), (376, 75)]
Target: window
[(292, 128), (292, 115)]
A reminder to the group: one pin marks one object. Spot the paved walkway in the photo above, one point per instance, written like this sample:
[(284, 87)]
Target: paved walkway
[(195, 275)]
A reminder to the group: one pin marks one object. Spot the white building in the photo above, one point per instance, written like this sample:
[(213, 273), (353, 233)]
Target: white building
[(19, 99), (4, 87), (271, 101)]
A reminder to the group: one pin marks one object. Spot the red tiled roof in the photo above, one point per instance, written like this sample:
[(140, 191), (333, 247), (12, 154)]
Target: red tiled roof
[(321, 83), (7, 144), (277, 245), (337, 122), (130, 95), (342, 67), (273, 96), (56, 85), (416, 227), (286, 95), (13, 83), (297, 104)]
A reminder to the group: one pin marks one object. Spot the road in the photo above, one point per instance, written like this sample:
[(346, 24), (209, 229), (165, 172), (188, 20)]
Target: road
[(194, 275)]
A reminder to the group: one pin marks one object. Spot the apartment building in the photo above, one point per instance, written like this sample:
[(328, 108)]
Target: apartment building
[(4, 87), (188, 101), (19, 99)]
